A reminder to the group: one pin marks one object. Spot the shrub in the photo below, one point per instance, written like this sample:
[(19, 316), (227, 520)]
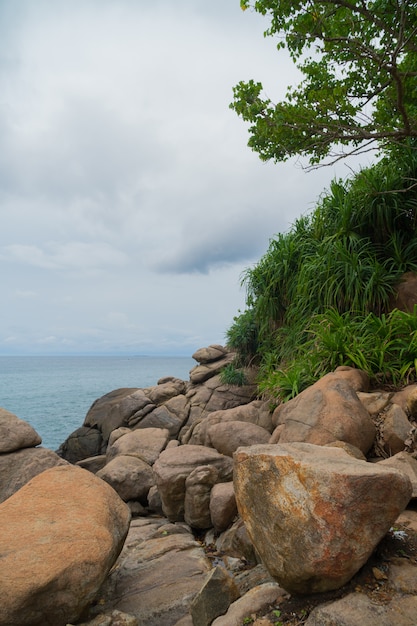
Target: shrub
[(231, 375)]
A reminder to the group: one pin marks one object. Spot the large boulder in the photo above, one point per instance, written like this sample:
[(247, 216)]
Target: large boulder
[(144, 443), (19, 467), (315, 514), (327, 411), (61, 534), (114, 409), (82, 443), (130, 476), (226, 437), (256, 412), (173, 467), (214, 395), (15, 433), (170, 415), (160, 570)]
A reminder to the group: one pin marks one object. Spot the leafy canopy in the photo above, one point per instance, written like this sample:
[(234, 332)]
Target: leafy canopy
[(358, 59), (321, 295)]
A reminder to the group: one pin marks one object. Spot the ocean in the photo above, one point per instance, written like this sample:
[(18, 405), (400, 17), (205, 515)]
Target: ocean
[(54, 393)]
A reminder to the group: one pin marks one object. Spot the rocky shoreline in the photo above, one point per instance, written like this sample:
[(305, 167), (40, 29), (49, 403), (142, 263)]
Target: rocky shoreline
[(211, 508)]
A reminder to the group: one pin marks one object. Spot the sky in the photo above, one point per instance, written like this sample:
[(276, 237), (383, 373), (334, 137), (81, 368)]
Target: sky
[(130, 203)]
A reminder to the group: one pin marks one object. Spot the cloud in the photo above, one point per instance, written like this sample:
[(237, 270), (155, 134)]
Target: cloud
[(129, 201), (71, 255)]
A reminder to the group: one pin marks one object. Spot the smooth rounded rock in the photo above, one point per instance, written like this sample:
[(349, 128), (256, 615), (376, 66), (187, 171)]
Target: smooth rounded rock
[(61, 534)]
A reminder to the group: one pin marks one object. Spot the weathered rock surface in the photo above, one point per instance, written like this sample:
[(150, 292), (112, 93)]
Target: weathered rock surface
[(256, 412), (396, 429), (15, 433), (159, 572), (175, 465), (226, 437), (405, 463), (18, 468), (113, 410), (61, 534), (144, 443), (223, 508), (84, 442), (130, 476), (358, 608), (327, 411), (257, 599), (322, 511), (218, 592), (405, 296)]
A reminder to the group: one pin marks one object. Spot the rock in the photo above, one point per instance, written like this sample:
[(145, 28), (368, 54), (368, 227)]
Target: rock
[(154, 500), (116, 434), (315, 514), (113, 618), (113, 410), (83, 443), (401, 397), (171, 415), (212, 396), (198, 487), (357, 379), (61, 534), (173, 467), (143, 407), (236, 542), (209, 354), (357, 608), (223, 508), (257, 599), (256, 412), (214, 598), (403, 576), (130, 476), (226, 437), (411, 403), (405, 463), (93, 463), (376, 401), (396, 429), (15, 433), (347, 447), (327, 411), (159, 572), (200, 373), (144, 443), (405, 296), (163, 392), (18, 468)]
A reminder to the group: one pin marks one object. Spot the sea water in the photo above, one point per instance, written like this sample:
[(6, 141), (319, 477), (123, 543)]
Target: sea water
[(54, 393)]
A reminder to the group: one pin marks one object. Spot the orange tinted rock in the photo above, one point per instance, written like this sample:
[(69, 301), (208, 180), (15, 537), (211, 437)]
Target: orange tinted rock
[(61, 534), (315, 514)]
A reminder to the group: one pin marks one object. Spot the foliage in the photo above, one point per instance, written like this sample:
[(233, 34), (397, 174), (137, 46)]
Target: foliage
[(242, 336), (358, 61), (231, 375), (320, 295), (384, 346)]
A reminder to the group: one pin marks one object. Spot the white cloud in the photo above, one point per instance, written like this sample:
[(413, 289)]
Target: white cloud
[(70, 255), (129, 201)]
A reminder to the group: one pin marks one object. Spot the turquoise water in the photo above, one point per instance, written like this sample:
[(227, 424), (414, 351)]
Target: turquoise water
[(54, 394)]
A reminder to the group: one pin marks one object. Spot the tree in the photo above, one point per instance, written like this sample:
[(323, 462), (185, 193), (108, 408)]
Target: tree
[(358, 59)]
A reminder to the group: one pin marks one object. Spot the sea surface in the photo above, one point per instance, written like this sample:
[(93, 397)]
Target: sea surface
[(54, 393)]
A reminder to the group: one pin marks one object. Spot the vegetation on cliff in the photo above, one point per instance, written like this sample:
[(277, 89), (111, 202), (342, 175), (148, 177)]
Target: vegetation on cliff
[(321, 295)]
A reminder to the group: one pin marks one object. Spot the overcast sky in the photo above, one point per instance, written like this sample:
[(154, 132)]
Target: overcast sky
[(129, 201)]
